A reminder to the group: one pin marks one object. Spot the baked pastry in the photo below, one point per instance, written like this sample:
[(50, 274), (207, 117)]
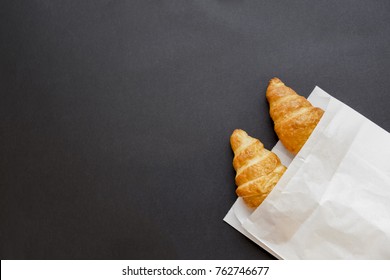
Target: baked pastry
[(294, 117), (258, 170)]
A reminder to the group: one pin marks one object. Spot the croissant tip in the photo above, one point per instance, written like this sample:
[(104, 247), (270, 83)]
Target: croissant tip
[(237, 138), (275, 80), (238, 132)]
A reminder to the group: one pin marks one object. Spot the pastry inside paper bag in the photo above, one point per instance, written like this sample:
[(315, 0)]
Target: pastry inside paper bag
[(294, 117), (258, 169)]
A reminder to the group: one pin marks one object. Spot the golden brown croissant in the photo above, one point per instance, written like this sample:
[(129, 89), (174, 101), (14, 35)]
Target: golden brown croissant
[(294, 117), (258, 170)]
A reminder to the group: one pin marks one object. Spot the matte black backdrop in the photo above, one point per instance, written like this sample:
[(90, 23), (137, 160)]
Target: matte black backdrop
[(116, 115)]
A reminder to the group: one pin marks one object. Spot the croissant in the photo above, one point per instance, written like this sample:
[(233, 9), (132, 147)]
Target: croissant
[(258, 170), (294, 117)]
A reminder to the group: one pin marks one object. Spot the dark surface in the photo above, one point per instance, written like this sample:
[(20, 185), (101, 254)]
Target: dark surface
[(116, 115)]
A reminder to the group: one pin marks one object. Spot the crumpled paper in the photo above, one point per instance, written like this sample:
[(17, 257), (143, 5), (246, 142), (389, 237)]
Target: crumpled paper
[(333, 202)]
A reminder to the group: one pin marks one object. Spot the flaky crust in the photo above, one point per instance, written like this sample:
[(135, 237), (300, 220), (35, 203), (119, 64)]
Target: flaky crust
[(258, 170), (293, 115)]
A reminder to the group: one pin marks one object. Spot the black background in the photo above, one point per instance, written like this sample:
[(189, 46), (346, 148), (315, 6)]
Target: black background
[(116, 115)]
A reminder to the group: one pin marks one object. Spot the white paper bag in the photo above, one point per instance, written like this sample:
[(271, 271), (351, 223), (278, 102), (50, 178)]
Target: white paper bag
[(333, 202)]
